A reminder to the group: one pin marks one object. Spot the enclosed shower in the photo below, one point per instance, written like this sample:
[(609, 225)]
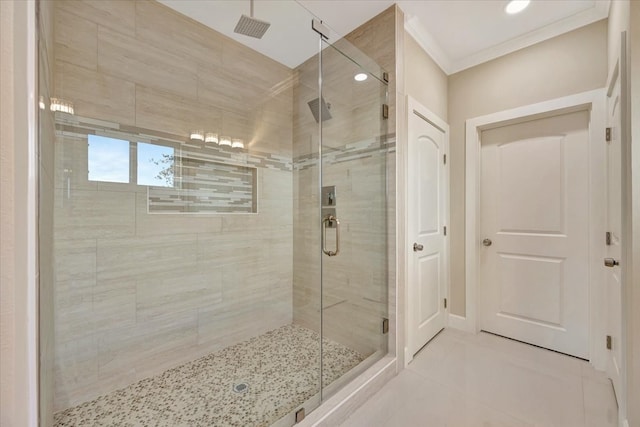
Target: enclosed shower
[(214, 211)]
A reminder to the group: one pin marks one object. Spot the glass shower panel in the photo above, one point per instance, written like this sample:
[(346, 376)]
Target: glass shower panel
[(353, 208), (185, 173), (182, 256)]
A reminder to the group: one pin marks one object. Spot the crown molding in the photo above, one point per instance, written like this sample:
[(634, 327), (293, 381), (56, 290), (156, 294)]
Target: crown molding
[(451, 66), (428, 43)]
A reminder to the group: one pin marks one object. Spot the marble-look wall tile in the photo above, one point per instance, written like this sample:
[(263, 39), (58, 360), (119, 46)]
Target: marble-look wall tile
[(73, 306), (229, 91), (124, 350), (158, 25), (76, 40), (150, 256), (178, 291), (75, 259), (116, 15), (164, 224), (168, 112), (228, 324), (114, 305), (143, 63), (76, 369), (96, 94), (83, 214)]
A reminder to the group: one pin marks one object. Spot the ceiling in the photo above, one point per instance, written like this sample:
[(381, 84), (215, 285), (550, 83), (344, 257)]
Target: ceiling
[(457, 34)]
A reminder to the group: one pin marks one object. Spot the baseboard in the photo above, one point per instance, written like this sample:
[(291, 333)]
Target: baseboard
[(408, 357), (459, 322)]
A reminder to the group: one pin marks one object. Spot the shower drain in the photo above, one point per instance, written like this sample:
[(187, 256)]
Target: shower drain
[(241, 387)]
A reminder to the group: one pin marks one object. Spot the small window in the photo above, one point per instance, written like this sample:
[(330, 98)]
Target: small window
[(156, 165), (108, 159)]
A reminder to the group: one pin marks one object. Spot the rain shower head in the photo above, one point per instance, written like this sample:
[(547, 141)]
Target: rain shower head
[(250, 26), (315, 109)]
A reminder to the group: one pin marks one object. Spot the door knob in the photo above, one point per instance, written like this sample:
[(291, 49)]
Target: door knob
[(487, 242), (417, 247), (610, 262)]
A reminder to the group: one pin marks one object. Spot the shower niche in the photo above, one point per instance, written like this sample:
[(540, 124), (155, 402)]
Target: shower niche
[(186, 267)]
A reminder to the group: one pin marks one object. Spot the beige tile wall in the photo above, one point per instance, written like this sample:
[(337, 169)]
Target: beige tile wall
[(355, 283), (136, 293)]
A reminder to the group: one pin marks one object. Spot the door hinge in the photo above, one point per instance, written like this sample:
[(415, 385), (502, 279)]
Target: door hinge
[(445, 303), (609, 342), (445, 159), (607, 238), (445, 230), (385, 325), (385, 77), (607, 134), (385, 111)]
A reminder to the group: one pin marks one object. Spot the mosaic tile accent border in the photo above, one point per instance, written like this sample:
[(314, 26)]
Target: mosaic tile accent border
[(206, 178), (207, 187), (353, 151), (209, 178), (281, 369), (80, 127)]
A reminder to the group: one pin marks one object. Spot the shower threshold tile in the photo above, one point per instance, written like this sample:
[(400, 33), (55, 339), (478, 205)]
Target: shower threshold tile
[(253, 383)]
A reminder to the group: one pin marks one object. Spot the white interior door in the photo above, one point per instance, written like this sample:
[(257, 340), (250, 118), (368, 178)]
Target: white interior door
[(613, 280), (427, 219), (534, 266)]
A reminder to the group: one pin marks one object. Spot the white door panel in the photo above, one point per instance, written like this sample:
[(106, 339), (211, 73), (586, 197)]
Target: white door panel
[(530, 288), (429, 297), (528, 205), (534, 209), (427, 194)]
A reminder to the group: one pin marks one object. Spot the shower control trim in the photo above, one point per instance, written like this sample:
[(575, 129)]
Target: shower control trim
[(329, 196), (330, 219)]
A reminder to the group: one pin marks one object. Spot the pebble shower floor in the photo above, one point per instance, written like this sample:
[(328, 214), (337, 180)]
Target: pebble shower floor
[(280, 368)]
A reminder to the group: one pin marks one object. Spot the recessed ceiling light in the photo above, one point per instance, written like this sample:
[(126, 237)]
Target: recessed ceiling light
[(516, 6), (360, 77)]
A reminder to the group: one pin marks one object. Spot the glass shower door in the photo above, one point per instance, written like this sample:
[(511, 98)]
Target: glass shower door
[(353, 211)]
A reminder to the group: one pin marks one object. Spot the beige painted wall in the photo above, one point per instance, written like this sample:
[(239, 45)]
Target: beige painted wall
[(424, 80), (570, 63), (618, 21)]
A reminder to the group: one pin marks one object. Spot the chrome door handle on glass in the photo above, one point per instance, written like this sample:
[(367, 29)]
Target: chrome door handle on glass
[(487, 242), (417, 247), (328, 220), (610, 262)]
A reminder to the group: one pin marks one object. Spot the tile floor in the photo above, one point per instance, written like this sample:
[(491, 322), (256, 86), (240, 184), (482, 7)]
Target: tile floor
[(466, 380), (280, 367)]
